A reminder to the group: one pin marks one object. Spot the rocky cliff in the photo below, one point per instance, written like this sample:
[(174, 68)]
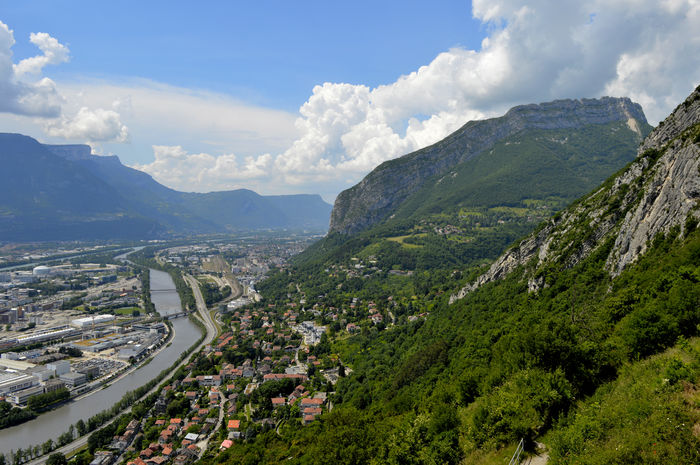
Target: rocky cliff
[(72, 152), (379, 194), (659, 191)]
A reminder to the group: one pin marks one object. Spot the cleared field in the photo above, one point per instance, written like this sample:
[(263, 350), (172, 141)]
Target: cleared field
[(400, 240)]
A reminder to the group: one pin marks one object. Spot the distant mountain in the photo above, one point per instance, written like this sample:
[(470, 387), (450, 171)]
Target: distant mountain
[(63, 192)]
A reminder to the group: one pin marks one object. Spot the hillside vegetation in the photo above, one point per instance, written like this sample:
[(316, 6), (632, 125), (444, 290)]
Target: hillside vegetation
[(598, 360)]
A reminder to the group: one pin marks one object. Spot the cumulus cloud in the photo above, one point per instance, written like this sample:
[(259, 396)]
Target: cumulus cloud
[(41, 98), (21, 97), (535, 51), (54, 53), (91, 125), (201, 171)]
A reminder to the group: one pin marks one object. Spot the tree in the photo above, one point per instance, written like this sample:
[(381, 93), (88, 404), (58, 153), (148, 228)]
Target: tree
[(47, 446), (57, 459), (81, 427)]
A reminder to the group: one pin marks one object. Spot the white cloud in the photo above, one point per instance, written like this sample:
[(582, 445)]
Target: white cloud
[(20, 97), (199, 120), (54, 53), (91, 125), (534, 52), (185, 171)]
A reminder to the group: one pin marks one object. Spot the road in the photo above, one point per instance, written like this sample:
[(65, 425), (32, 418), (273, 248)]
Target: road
[(212, 332), (212, 327)]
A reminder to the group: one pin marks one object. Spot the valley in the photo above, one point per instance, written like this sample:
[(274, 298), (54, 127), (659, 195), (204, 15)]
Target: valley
[(481, 312)]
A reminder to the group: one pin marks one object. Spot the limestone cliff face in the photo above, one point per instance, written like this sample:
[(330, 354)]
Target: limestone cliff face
[(73, 152), (379, 194), (656, 192)]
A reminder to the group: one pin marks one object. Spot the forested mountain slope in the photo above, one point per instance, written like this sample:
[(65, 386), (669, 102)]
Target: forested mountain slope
[(382, 192), (579, 360), (504, 176), (655, 193)]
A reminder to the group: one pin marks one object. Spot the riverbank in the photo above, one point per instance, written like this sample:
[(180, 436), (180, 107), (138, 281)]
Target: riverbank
[(187, 337)]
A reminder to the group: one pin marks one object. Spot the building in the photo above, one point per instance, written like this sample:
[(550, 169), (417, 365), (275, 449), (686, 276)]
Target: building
[(13, 382), (60, 367), (41, 271), (73, 379), (21, 397), (53, 385), (90, 321)]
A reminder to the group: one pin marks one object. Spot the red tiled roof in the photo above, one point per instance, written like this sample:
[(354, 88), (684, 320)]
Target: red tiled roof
[(234, 424), (226, 444)]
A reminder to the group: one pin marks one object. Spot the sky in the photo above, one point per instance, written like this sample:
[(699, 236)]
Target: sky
[(308, 97)]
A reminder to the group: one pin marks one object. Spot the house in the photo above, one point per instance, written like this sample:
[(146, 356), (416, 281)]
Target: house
[(157, 460), (308, 419), (176, 422), (234, 425), (181, 459), (165, 436), (311, 403), (226, 444), (102, 458), (312, 411), (278, 401)]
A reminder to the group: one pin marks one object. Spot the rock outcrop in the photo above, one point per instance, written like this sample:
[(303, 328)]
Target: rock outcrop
[(72, 152), (378, 195), (660, 190)]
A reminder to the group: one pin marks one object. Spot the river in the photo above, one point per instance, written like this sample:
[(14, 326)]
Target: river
[(52, 424)]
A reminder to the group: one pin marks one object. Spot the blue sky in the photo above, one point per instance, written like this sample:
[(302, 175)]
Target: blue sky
[(267, 53), (292, 97)]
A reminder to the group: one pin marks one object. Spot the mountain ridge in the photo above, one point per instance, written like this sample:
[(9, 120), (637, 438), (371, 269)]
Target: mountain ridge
[(656, 192), (78, 195), (382, 190)]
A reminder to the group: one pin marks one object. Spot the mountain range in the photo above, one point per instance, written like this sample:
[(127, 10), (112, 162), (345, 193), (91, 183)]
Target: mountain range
[(63, 192)]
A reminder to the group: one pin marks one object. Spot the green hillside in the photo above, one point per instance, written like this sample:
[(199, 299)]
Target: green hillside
[(598, 363), (471, 214)]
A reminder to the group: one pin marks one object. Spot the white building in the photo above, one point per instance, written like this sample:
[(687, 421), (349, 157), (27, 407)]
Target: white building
[(89, 321), (21, 397), (61, 367), (12, 382)]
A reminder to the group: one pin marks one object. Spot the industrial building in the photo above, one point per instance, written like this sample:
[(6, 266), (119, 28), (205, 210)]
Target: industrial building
[(90, 321), (12, 382)]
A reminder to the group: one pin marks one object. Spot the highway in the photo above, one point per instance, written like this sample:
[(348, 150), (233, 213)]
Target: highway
[(211, 325)]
